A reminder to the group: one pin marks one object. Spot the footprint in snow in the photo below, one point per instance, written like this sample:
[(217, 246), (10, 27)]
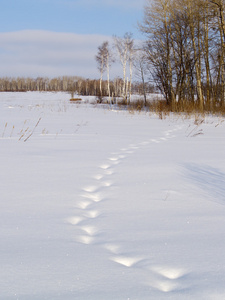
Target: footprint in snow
[(168, 272), (83, 204), (90, 230), (164, 286), (74, 220), (98, 176), (106, 183), (168, 279), (96, 197), (109, 172), (113, 248), (91, 188), (116, 162), (92, 214), (113, 159), (126, 260), (85, 239), (105, 166)]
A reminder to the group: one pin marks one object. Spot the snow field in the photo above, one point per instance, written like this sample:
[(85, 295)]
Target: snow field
[(100, 204)]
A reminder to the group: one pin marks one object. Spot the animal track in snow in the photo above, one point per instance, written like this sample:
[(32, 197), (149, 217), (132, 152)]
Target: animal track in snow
[(164, 286), (96, 197), (108, 172), (85, 239), (91, 188), (105, 166), (114, 248), (98, 176), (116, 162), (74, 220), (106, 183), (92, 214), (164, 279), (90, 230), (113, 158), (126, 261), (83, 204), (170, 273)]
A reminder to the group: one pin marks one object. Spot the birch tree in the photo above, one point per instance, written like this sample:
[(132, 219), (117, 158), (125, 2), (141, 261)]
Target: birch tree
[(140, 65), (109, 60), (104, 59), (131, 59), (101, 59), (194, 19), (124, 48)]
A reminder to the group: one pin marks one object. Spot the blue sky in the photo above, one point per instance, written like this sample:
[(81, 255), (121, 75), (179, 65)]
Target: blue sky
[(60, 37)]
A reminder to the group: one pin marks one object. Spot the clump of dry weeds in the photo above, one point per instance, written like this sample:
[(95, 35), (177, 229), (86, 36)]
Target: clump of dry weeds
[(184, 108)]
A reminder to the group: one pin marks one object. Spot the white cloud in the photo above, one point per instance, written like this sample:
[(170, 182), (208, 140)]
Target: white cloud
[(43, 53)]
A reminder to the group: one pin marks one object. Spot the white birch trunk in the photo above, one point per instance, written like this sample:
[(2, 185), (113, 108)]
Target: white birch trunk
[(131, 73), (108, 78)]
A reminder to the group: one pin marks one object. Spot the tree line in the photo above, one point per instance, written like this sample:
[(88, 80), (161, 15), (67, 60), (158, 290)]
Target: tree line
[(72, 84), (20, 84)]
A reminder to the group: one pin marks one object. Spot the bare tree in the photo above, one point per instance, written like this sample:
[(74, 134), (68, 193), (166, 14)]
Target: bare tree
[(131, 58), (124, 47), (156, 26), (101, 59), (104, 59), (109, 60), (140, 65)]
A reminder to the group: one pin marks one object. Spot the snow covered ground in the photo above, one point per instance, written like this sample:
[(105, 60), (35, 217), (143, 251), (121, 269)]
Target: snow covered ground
[(100, 204)]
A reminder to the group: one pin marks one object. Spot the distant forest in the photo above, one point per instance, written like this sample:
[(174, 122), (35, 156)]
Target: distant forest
[(72, 84)]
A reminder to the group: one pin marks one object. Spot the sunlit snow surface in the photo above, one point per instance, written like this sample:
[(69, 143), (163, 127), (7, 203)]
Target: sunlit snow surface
[(101, 204)]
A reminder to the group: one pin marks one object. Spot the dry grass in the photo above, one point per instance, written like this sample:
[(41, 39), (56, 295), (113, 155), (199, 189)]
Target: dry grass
[(187, 108)]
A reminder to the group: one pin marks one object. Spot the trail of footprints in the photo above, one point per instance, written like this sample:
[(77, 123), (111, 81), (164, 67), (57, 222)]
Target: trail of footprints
[(162, 278)]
